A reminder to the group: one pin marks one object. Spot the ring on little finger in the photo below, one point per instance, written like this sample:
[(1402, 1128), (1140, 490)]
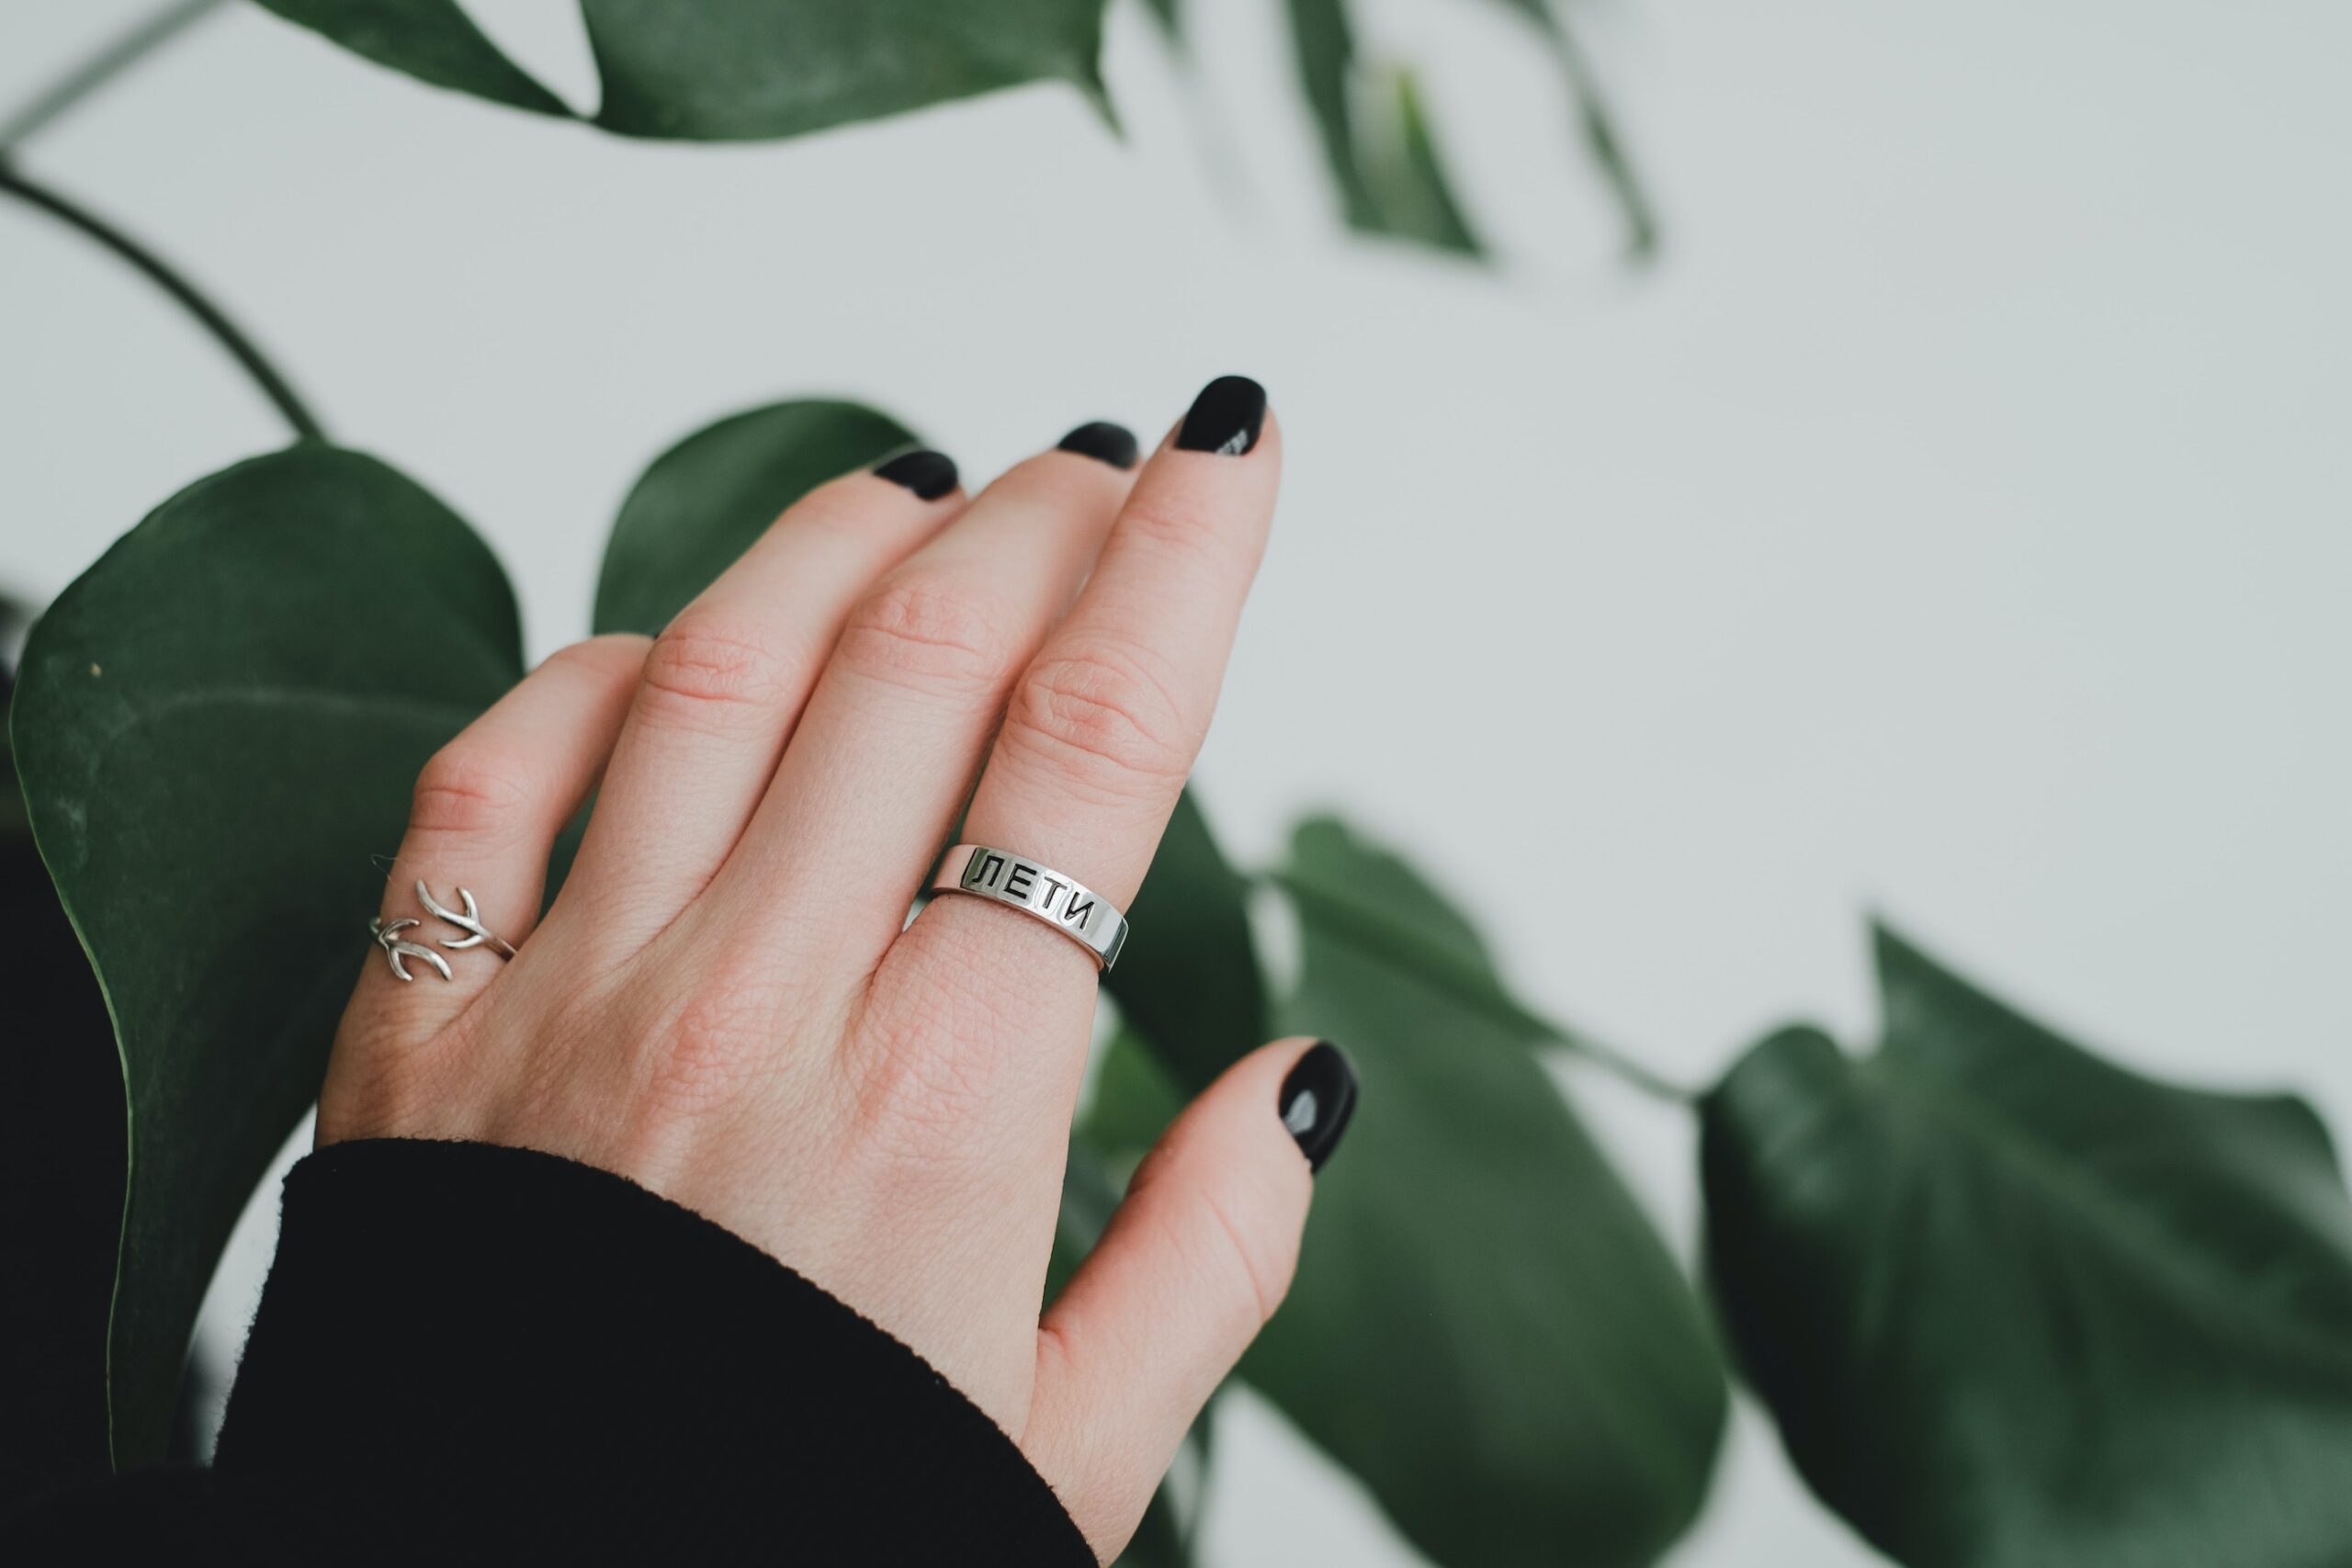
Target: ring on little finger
[(468, 919)]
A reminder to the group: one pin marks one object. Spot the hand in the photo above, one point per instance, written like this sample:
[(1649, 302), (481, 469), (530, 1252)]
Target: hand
[(726, 1004)]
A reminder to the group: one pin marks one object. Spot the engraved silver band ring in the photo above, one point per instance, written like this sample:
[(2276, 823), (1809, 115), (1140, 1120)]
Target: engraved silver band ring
[(1071, 909), (468, 919)]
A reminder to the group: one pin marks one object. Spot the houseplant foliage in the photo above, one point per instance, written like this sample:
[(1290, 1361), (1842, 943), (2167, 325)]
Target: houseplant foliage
[(218, 723), (752, 70), (2013, 1304), (2007, 1302)]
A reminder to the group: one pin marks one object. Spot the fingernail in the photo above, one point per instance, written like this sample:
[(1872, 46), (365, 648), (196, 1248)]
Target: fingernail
[(927, 473), (1104, 442), (1225, 418), (1317, 1098)]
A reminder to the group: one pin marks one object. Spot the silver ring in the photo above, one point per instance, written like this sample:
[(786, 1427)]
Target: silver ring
[(388, 933), (1062, 902)]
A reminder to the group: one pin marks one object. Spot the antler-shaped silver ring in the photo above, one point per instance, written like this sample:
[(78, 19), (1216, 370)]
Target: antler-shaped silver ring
[(387, 935), (470, 922)]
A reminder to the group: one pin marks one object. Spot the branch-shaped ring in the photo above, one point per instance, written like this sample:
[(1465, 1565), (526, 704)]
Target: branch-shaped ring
[(467, 919), (387, 935)]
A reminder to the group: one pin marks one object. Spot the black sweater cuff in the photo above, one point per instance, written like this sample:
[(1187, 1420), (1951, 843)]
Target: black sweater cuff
[(494, 1351)]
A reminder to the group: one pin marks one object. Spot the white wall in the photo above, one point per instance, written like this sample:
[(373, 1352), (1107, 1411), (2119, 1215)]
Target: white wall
[(1954, 525)]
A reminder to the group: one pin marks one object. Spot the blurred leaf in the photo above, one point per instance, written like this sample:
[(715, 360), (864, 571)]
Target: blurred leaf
[(2012, 1304), (738, 70), (432, 40), (1401, 167), (744, 70), (1386, 162), (1485, 1327), (217, 725), (1190, 983), (1596, 126), (703, 501), (1169, 14), (60, 1168)]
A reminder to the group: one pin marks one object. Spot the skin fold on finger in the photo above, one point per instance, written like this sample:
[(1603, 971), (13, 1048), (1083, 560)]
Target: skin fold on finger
[(895, 728), (483, 819), (1192, 1264), (724, 685)]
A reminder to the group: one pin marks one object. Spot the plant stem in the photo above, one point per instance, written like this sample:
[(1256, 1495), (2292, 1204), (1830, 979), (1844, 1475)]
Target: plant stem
[(209, 315), (133, 44), (1468, 983)]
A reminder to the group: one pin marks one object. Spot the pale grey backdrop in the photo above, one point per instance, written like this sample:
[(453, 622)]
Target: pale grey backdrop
[(1954, 523)]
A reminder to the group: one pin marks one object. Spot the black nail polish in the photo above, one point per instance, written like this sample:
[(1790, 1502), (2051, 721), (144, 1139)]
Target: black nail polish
[(1317, 1098), (1225, 418), (1104, 442), (927, 473)]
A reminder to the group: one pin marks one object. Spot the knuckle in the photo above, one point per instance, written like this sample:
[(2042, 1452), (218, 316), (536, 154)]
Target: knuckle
[(1183, 527), (925, 631), (701, 671), (465, 788), (1104, 718)]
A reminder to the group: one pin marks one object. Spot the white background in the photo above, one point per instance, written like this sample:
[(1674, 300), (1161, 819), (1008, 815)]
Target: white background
[(1953, 524)]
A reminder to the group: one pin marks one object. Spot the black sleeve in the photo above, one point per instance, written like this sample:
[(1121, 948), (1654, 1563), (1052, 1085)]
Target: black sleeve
[(490, 1353)]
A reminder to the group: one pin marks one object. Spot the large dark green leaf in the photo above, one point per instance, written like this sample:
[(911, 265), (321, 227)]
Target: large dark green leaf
[(1485, 1327), (704, 501), (432, 40), (744, 70), (1379, 146), (2013, 1306), (738, 70), (1190, 983), (217, 727), (60, 1168)]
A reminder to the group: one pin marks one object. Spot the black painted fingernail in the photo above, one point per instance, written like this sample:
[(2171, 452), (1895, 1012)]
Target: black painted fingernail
[(1225, 418), (1104, 442), (927, 473), (1317, 1098)]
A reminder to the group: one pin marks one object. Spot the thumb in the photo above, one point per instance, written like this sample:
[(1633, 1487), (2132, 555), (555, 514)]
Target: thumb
[(1192, 1265)]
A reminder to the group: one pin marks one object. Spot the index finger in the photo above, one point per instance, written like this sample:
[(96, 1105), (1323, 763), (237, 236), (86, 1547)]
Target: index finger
[(1103, 725)]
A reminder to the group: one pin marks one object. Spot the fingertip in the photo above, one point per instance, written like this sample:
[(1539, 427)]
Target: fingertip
[(1317, 1101), (931, 475)]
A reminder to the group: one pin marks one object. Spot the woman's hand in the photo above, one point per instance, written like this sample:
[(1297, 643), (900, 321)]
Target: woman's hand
[(723, 1005)]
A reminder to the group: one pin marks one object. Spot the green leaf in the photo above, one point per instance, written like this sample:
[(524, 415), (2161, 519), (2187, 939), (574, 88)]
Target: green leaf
[(1402, 169), (1190, 983), (1596, 125), (1484, 1326), (703, 501), (741, 70), (216, 725), (1382, 153), (61, 1169), (2012, 1304), (744, 70), (432, 40)]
